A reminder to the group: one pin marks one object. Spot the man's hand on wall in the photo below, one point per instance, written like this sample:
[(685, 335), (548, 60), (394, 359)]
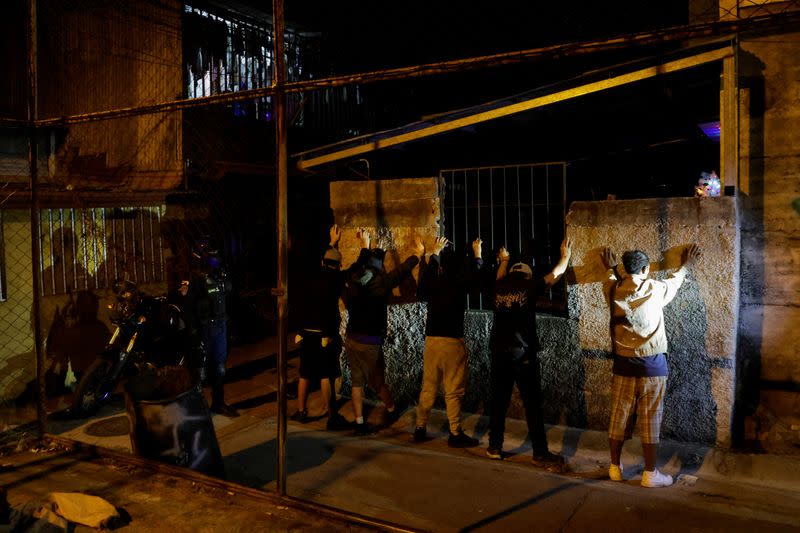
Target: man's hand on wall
[(476, 248), (363, 237), (419, 247), (438, 245), (566, 249), (336, 235), (691, 253), (608, 259)]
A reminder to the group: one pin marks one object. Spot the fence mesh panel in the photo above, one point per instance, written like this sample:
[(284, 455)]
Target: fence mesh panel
[(129, 196)]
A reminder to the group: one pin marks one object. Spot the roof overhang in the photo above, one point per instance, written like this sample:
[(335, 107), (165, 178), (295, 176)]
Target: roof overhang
[(589, 83)]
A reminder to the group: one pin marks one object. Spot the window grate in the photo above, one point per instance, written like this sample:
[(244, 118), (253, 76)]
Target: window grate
[(521, 207), (86, 249)]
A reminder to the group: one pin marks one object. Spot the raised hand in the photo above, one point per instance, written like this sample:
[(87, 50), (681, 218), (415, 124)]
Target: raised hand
[(419, 247), (438, 245), (503, 255), (566, 248), (363, 236), (476, 248), (690, 254), (336, 235), (608, 259)]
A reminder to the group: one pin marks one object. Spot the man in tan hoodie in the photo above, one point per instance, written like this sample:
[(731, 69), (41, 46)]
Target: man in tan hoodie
[(640, 365)]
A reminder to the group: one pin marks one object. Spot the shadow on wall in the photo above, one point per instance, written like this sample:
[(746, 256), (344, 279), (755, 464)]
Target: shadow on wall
[(576, 382), (751, 317)]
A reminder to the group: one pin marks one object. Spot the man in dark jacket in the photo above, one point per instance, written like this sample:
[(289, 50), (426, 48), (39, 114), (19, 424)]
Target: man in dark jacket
[(205, 308), (367, 292), (514, 345), (444, 284), (320, 342)]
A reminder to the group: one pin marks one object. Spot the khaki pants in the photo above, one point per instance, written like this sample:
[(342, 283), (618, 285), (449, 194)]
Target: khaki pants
[(444, 362)]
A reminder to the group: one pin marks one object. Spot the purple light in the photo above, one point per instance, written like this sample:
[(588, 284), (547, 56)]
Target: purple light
[(710, 129)]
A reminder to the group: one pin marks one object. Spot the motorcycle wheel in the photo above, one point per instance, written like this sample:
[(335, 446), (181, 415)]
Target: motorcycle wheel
[(93, 388)]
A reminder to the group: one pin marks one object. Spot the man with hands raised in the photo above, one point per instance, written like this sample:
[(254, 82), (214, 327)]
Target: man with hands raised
[(514, 345), (444, 283), (367, 291)]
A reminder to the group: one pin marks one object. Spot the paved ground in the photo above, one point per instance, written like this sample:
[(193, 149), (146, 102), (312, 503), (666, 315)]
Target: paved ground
[(424, 486)]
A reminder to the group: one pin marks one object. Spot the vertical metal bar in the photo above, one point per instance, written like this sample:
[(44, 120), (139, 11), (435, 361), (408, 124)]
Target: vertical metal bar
[(519, 215), (466, 223), (126, 272), (547, 211), (74, 250), (478, 184), (281, 158), (533, 218), (564, 198), (160, 247), (143, 245), (33, 156), (105, 245), (94, 248), (491, 204), (152, 247), (40, 274), (63, 247), (453, 200), (466, 210), (114, 244), (505, 210), (52, 253), (85, 250)]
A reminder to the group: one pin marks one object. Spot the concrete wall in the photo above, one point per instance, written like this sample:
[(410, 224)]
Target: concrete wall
[(576, 366), (769, 343), (700, 322)]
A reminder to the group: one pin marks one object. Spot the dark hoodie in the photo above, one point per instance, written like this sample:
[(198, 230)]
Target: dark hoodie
[(514, 326), (367, 292), (444, 284)]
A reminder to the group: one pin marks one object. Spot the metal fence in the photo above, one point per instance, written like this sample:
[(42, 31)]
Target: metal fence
[(521, 207), (149, 125)]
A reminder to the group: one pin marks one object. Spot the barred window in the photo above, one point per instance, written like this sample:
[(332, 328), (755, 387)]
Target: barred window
[(90, 248), (226, 51), (521, 207)]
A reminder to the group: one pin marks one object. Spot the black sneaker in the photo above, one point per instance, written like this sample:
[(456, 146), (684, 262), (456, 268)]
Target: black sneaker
[(550, 461), (461, 440), (362, 429), (420, 434), (494, 452), (300, 416), (337, 422)]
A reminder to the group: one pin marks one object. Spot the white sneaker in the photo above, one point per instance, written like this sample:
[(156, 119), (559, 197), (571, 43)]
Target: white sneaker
[(615, 472), (655, 479)]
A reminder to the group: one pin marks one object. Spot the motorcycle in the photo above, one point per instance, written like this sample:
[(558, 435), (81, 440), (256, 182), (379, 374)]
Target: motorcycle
[(149, 334)]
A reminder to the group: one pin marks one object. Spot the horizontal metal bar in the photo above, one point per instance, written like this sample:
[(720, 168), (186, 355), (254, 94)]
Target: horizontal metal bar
[(511, 109), (666, 35)]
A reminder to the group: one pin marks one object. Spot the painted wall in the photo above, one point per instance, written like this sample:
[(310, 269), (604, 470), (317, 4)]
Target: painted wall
[(769, 343)]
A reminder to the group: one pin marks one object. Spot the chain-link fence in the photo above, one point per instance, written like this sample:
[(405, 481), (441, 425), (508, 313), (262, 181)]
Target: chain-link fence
[(128, 195)]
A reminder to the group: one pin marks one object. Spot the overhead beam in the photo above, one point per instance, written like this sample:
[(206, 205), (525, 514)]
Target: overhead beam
[(519, 107)]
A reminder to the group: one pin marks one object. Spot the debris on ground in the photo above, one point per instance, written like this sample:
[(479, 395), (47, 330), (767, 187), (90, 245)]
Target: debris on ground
[(61, 509)]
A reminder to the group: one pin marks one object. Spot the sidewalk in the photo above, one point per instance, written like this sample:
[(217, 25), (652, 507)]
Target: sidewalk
[(432, 487)]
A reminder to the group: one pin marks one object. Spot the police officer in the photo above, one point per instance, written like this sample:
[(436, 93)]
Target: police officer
[(205, 308)]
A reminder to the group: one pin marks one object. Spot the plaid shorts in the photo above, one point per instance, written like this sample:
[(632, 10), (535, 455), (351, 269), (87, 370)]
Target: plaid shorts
[(635, 398)]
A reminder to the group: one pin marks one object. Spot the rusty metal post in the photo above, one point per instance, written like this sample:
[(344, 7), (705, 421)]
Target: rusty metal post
[(33, 156), (281, 171)]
